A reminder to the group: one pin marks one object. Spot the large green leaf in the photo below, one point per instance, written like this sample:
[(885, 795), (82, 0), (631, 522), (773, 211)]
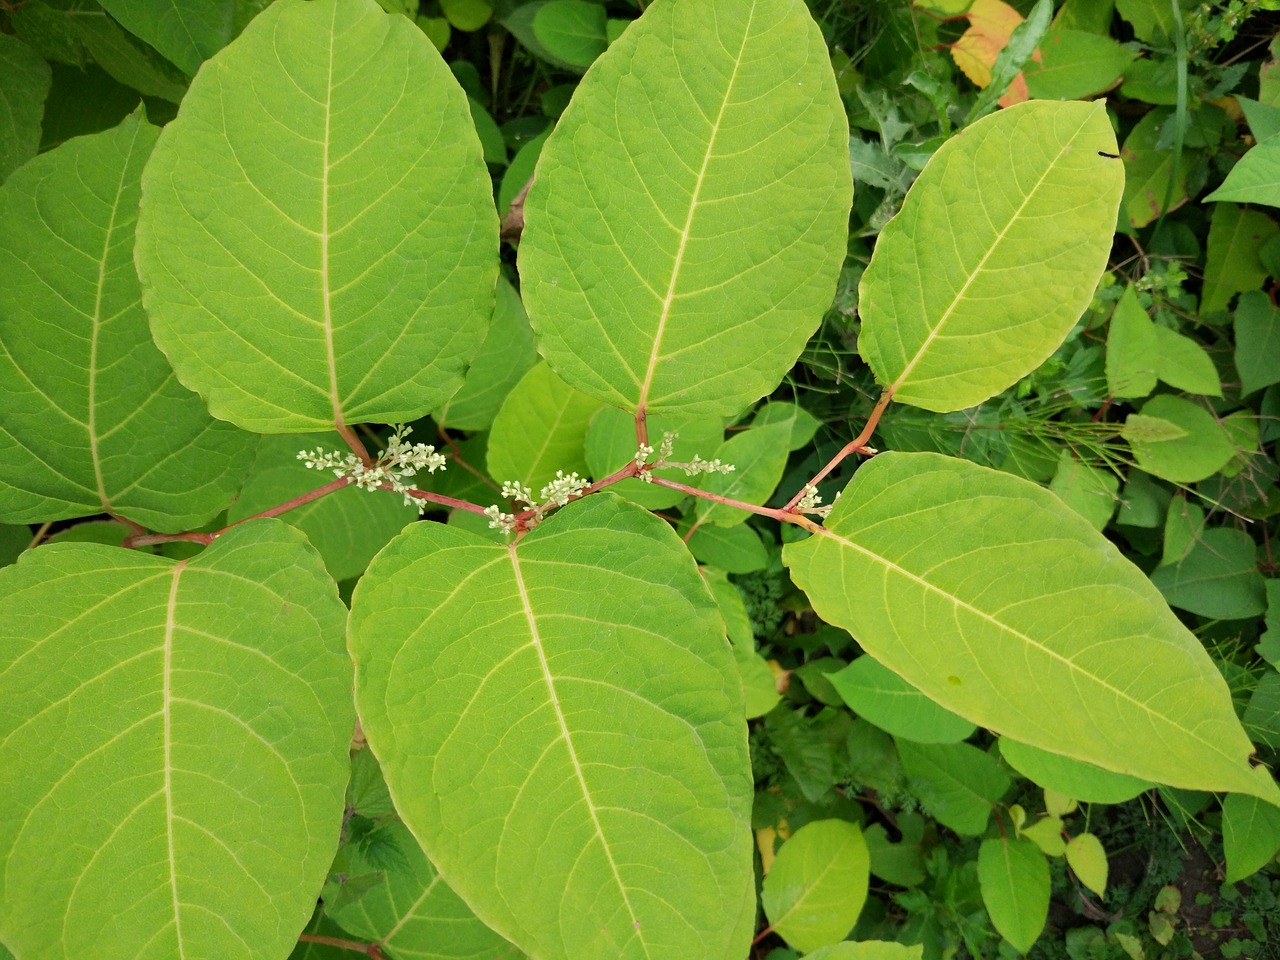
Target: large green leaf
[(564, 708), (994, 256), (317, 238), (992, 596), (686, 226), (174, 745), (93, 418)]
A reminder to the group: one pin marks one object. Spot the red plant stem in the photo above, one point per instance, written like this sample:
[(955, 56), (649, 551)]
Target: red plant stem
[(442, 500), (642, 428), (784, 515), (857, 445), (354, 443), (208, 538), (373, 950)]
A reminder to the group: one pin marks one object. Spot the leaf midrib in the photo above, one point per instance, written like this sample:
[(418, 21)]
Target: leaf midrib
[(554, 700), (664, 314), (1018, 634), (956, 300), (166, 701)]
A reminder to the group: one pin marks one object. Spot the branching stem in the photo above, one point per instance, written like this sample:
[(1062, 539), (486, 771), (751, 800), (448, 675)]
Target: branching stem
[(857, 445)]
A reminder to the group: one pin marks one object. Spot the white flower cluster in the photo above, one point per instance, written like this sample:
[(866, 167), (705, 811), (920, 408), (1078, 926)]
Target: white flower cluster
[(555, 493), (811, 503), (394, 466), (647, 463)]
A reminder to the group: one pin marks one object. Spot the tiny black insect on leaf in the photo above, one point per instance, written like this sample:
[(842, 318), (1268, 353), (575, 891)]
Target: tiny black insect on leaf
[(1109, 156)]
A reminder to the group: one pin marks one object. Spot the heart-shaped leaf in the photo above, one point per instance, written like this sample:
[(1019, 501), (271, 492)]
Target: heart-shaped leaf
[(321, 187), (174, 746), (995, 254), (1094, 666), (662, 243), (565, 708), (85, 390)]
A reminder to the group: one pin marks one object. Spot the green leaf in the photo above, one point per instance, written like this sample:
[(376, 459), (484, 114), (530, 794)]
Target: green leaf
[(85, 390), (868, 950), (187, 34), (1184, 364), (611, 444), (14, 538), (1142, 429), (468, 15), (541, 428), (1199, 450), (817, 885), (1045, 833), (1231, 264), (1250, 835), (803, 424), (679, 259), (736, 549), (1088, 861), (412, 913), (810, 747), (758, 455), (900, 863), (176, 785), (1081, 781), (956, 782), (506, 355), (1262, 715), (1014, 879), (1255, 178), (1088, 490), (572, 30), (1218, 577), (759, 686), (520, 170), (737, 624), (408, 908), (1075, 64), (1082, 669), (875, 692), (1148, 169), (347, 527), (1131, 348), (80, 32), (26, 84), (534, 721), (1257, 351), (337, 132), (994, 256), (1152, 20)]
